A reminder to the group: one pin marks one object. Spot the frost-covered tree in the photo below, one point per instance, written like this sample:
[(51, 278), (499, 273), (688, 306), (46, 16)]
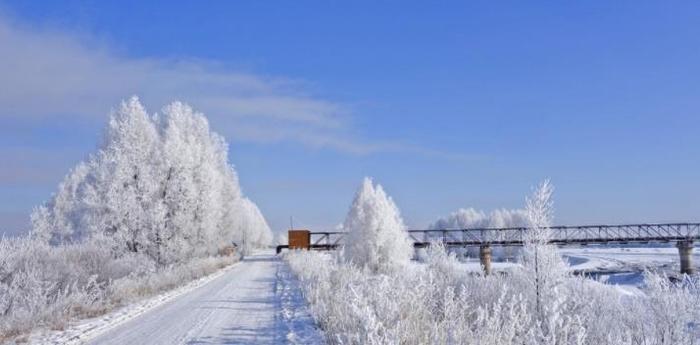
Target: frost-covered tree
[(193, 187), (543, 270), (464, 218), (255, 232), (125, 175), (60, 220), (282, 238), (470, 218), (159, 185), (505, 218), (376, 236)]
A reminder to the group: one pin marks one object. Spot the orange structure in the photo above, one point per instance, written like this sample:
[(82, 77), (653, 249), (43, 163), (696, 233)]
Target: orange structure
[(299, 239)]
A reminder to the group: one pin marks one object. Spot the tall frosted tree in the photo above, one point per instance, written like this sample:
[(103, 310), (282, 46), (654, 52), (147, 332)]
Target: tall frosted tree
[(376, 235), (125, 175), (159, 185), (254, 232)]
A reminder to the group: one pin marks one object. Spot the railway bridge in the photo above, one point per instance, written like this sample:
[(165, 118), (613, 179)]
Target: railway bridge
[(683, 235)]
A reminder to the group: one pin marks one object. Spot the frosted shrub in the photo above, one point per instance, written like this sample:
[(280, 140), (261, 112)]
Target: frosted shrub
[(409, 305), (135, 286), (430, 304), (376, 236), (45, 286), (674, 313)]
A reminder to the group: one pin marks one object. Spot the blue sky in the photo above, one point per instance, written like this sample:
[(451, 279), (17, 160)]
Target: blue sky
[(447, 105)]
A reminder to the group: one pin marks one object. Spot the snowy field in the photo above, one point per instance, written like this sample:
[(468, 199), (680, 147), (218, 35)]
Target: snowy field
[(605, 261), (618, 266), (624, 259)]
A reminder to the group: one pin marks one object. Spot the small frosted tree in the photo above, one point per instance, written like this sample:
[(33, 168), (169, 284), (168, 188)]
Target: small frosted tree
[(544, 271), (376, 236)]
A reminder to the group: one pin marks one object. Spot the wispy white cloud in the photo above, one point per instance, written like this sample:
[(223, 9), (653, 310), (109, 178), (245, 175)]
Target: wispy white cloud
[(50, 75)]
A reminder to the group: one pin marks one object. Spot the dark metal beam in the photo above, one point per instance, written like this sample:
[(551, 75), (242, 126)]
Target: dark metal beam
[(560, 235)]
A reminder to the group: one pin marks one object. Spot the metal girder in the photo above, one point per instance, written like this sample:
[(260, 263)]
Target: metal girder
[(559, 235)]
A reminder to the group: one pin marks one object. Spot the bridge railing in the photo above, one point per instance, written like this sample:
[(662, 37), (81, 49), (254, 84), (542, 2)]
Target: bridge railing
[(582, 234)]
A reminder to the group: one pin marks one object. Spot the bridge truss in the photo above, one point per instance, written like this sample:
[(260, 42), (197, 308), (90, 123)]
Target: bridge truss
[(559, 235), (682, 234)]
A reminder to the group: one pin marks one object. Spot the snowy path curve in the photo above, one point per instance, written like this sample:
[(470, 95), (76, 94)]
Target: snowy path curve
[(239, 307)]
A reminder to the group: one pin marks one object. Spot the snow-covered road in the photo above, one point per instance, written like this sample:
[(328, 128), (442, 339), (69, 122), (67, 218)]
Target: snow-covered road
[(240, 307)]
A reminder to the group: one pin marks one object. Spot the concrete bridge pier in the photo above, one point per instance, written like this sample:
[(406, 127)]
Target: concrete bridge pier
[(485, 258), (685, 249)]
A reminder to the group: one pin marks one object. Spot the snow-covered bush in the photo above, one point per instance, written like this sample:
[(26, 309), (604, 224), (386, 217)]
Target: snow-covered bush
[(409, 305), (45, 286), (376, 235), (441, 304)]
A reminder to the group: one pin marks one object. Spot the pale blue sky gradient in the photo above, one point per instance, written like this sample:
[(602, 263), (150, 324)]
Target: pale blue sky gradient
[(446, 104)]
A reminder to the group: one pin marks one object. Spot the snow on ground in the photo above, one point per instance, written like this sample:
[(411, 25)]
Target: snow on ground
[(623, 259), (624, 266), (474, 265), (616, 265), (297, 324), (255, 301), (258, 301)]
